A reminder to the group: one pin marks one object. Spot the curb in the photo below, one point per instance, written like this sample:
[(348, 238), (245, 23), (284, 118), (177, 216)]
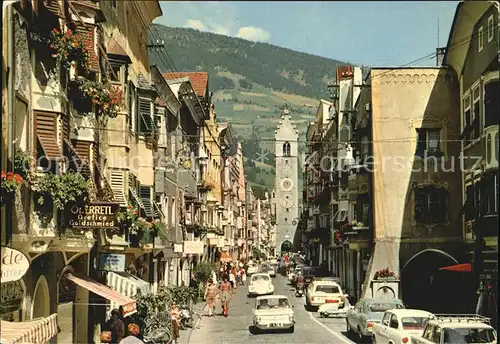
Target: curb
[(190, 330)]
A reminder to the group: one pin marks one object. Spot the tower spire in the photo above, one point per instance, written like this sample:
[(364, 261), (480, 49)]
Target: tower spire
[(285, 110)]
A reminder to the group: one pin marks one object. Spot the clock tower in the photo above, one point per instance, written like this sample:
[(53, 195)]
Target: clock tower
[(286, 185)]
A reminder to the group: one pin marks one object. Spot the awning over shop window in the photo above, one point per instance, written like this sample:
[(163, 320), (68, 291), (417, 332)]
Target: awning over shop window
[(29, 332), (127, 284), (467, 267), (129, 305)]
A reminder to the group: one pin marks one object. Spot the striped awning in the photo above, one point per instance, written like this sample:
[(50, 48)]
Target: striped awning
[(29, 332), (129, 304), (127, 284)]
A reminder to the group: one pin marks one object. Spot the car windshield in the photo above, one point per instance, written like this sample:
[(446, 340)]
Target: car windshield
[(469, 335), (382, 307), (414, 323), (260, 278), (328, 289), (273, 303)]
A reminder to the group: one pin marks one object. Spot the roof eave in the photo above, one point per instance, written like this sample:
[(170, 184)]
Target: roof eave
[(452, 30)]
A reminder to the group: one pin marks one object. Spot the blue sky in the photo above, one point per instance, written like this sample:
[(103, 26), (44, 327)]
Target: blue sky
[(369, 33)]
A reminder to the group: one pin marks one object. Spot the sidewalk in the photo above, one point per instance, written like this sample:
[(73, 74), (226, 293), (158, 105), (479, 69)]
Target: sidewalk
[(186, 334)]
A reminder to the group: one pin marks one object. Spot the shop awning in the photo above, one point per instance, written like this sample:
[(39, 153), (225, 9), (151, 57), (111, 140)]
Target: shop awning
[(467, 267), (127, 284), (29, 332), (129, 304), (225, 257)]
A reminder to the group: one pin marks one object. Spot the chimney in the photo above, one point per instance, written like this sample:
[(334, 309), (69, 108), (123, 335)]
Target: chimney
[(439, 56)]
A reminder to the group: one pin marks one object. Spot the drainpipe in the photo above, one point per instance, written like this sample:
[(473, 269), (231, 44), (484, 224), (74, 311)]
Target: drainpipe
[(11, 93)]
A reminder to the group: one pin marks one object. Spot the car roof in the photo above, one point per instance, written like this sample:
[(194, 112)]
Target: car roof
[(325, 282), (261, 274), (271, 297), (367, 300), (458, 324), (409, 312)]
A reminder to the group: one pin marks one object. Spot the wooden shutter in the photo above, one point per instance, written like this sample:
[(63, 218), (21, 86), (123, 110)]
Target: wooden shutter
[(146, 122), (88, 33), (46, 130), (145, 195), (117, 181), (53, 7)]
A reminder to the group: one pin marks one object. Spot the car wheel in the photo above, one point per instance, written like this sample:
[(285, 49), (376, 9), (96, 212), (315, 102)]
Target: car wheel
[(291, 329), (253, 330)]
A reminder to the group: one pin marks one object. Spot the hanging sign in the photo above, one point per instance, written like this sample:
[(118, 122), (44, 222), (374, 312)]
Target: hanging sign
[(14, 265), (193, 247), (95, 215)]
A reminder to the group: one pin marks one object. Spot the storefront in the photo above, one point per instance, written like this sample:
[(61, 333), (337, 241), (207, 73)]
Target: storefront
[(14, 330)]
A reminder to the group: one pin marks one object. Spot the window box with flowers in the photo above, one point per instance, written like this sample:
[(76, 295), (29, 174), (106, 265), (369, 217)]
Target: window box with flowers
[(69, 49), (55, 191), (11, 182), (140, 231), (196, 229), (107, 98)]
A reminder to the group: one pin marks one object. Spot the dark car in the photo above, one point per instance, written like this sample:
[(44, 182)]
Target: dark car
[(311, 272)]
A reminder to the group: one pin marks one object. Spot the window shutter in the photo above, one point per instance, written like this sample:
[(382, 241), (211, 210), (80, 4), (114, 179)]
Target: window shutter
[(46, 133), (146, 121), (117, 181), (146, 197)]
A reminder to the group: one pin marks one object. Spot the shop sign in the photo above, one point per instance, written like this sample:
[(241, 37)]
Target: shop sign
[(213, 241), (14, 265), (193, 247), (11, 297), (112, 262), (95, 215)]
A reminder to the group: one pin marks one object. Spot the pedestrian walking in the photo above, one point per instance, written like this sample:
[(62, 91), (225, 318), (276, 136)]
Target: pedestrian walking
[(211, 293), (133, 335), (232, 278)]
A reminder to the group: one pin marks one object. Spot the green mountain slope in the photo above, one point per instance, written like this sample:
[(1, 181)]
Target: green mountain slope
[(251, 83)]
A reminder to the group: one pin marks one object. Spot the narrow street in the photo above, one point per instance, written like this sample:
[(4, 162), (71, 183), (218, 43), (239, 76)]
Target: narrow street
[(310, 328)]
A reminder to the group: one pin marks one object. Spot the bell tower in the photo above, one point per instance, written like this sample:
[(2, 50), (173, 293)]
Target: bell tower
[(286, 138)]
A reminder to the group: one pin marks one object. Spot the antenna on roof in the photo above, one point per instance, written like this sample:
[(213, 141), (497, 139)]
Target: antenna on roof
[(438, 34)]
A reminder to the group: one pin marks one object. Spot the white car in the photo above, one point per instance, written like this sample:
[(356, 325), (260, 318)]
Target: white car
[(252, 269), (453, 328), (260, 284), (324, 291), (272, 312), (269, 269), (398, 325)]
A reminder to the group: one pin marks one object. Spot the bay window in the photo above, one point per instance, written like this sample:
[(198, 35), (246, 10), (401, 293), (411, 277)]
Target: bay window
[(429, 142)]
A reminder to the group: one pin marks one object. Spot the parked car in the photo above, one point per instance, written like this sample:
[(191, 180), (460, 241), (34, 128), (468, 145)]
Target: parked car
[(252, 269), (366, 313), (398, 325), (324, 291), (271, 313), (260, 284), (457, 329)]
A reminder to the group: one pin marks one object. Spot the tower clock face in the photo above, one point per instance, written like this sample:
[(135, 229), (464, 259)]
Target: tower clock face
[(286, 184), (287, 202)]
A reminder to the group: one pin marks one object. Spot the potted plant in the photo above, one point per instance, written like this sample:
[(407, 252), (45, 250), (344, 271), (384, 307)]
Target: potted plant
[(385, 274), (62, 189), (10, 183)]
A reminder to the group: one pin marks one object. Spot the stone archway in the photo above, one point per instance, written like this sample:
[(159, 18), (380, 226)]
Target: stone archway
[(424, 286), (286, 246), (41, 299)]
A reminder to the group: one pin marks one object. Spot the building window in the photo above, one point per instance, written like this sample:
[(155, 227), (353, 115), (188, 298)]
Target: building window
[(430, 205), (428, 143), (116, 76), (470, 203), (480, 39), (476, 112), (489, 199), (286, 149), (491, 28), (491, 103), (467, 124)]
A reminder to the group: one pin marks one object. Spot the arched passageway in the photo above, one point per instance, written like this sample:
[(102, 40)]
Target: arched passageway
[(424, 286), (41, 299), (286, 246)]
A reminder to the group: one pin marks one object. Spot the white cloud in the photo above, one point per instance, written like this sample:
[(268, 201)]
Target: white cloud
[(195, 24), (253, 33)]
